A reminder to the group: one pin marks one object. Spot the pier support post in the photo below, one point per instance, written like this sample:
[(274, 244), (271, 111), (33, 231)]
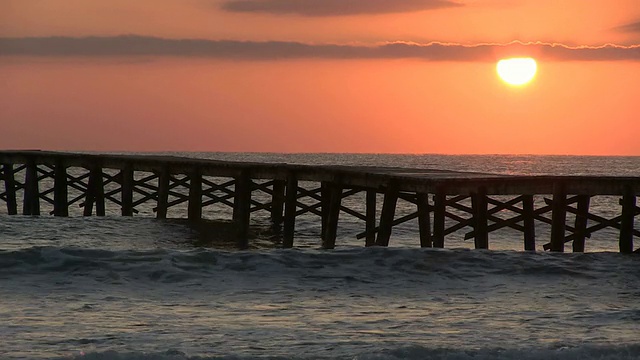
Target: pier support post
[(439, 204), (195, 195), (31, 200), (388, 213), (424, 221), (479, 205), (558, 217), (581, 223), (626, 222), (95, 192), (60, 190), (277, 204), (325, 201), (528, 222), (163, 193), (290, 208), (242, 208), (10, 189), (126, 184), (333, 212), (371, 218)]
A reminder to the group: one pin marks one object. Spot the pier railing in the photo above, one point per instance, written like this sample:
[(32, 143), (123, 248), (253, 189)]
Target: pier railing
[(445, 201)]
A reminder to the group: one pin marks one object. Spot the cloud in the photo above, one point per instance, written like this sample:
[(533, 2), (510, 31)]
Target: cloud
[(137, 46), (334, 7), (633, 27)]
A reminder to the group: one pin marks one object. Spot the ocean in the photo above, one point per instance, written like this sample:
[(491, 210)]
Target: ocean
[(140, 288)]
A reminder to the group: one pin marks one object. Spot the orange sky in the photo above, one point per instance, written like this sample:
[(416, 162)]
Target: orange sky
[(88, 96)]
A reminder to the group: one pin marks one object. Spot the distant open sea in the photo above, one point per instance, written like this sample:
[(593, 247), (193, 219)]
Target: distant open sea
[(140, 288)]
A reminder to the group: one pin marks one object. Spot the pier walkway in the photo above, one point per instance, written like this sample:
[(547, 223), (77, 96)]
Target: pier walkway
[(445, 201)]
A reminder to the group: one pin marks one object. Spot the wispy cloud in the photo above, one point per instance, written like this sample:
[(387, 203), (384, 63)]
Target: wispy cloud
[(633, 27), (132, 46), (334, 7)]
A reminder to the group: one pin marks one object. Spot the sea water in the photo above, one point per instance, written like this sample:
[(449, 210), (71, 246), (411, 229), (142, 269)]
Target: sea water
[(140, 288)]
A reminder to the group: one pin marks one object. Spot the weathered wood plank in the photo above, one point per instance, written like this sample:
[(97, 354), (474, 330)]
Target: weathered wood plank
[(424, 220), (60, 193), (439, 211), (291, 202), (163, 193), (10, 189), (126, 188), (601, 224), (277, 204), (370, 222), (626, 222), (558, 217), (528, 221), (242, 208), (31, 199), (333, 213), (387, 215), (581, 222), (325, 201), (195, 195), (480, 213), (95, 192), (396, 221)]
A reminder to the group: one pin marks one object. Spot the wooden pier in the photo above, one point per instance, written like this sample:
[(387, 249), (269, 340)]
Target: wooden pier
[(445, 201)]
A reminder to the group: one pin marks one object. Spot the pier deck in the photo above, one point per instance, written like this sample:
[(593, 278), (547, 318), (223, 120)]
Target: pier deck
[(445, 201)]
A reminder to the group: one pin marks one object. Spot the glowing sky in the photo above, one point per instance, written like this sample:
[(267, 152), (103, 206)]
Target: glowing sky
[(402, 76)]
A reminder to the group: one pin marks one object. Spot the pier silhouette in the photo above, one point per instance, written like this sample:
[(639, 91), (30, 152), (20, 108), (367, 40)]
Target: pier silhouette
[(445, 201)]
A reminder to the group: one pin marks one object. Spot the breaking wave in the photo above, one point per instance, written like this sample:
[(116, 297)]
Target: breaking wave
[(362, 263), (406, 353)]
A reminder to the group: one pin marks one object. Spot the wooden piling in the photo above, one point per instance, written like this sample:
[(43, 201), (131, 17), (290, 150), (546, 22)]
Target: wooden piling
[(528, 222), (277, 204), (581, 223), (371, 217), (163, 193), (439, 208), (10, 189), (290, 207), (60, 190), (626, 222), (424, 220), (242, 208), (195, 195), (479, 206), (325, 203), (31, 200), (126, 188), (333, 212), (95, 192), (558, 217), (388, 213), (450, 190)]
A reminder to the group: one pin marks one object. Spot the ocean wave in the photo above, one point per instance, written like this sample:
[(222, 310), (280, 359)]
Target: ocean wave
[(356, 264), (585, 352)]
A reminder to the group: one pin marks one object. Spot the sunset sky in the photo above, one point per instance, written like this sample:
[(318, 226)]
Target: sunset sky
[(374, 76)]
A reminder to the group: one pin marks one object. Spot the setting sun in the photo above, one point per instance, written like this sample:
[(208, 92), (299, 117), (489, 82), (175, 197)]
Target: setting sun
[(517, 71)]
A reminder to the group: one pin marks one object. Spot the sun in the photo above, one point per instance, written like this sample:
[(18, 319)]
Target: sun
[(517, 71)]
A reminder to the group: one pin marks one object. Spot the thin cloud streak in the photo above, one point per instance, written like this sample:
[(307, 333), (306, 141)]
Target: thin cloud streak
[(334, 7), (633, 27), (135, 46)]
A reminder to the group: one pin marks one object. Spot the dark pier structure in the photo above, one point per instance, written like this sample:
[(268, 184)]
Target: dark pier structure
[(445, 201)]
